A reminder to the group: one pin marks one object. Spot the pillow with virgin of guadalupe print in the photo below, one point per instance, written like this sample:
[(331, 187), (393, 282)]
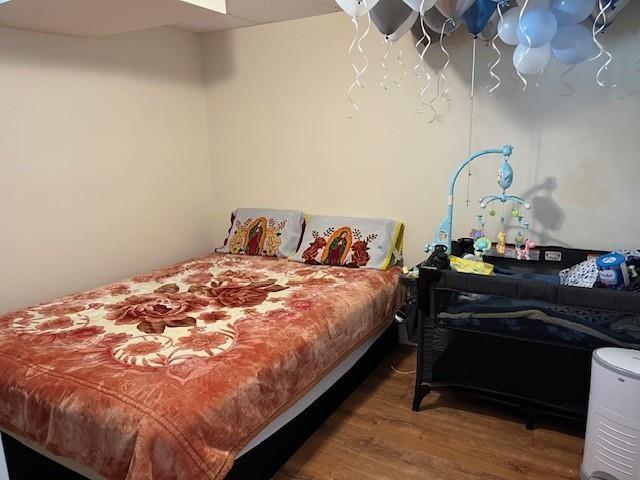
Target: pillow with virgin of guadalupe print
[(261, 231), (351, 242)]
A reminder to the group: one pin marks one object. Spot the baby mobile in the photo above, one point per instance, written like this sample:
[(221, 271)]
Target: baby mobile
[(568, 30), (441, 243)]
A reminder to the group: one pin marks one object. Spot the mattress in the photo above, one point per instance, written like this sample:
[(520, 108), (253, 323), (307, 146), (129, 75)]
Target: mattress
[(172, 374)]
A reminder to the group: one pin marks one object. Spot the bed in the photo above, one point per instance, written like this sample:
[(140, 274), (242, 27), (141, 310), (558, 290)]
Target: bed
[(176, 373)]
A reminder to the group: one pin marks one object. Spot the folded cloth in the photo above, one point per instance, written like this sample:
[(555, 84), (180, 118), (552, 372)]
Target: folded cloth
[(584, 274)]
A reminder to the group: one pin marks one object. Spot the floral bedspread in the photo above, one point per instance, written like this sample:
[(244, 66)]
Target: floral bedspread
[(169, 374)]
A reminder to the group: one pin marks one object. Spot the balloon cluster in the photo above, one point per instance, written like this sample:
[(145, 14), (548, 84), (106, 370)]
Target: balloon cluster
[(542, 27), (539, 29)]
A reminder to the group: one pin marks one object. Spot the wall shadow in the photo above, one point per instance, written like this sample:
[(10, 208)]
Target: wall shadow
[(547, 215)]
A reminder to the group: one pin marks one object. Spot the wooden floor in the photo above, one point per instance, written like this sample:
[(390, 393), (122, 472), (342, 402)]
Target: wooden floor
[(375, 435)]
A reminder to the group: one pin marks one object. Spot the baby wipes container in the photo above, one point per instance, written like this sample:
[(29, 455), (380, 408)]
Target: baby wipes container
[(612, 270), (612, 442)]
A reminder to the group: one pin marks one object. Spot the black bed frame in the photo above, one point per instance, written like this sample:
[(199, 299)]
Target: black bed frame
[(263, 461), (536, 375)]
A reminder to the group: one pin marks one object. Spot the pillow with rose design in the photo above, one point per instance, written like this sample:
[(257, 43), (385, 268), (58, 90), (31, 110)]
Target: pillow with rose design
[(351, 242), (263, 231)]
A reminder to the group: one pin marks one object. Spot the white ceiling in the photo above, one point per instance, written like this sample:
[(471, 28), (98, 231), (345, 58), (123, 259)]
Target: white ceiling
[(89, 18)]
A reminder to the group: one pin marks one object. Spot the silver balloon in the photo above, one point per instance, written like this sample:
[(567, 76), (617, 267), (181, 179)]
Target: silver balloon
[(390, 15), (435, 21), (418, 34), (453, 8), (404, 28)]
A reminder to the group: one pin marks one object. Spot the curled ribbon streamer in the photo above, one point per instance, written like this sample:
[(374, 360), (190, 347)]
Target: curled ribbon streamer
[(427, 104), (359, 45), (522, 79), (563, 79), (356, 81), (603, 51), (430, 103), (418, 68), (398, 80), (537, 79), (425, 34), (441, 73), (442, 92), (357, 41), (384, 65), (495, 48), (427, 84)]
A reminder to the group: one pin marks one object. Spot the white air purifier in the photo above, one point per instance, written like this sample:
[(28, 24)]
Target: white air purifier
[(612, 442)]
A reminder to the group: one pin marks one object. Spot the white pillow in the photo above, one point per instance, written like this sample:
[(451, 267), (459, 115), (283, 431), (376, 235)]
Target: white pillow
[(263, 231), (351, 242)]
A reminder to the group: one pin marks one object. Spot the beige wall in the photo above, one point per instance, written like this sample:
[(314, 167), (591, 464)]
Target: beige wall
[(104, 159), (106, 170), (279, 134)]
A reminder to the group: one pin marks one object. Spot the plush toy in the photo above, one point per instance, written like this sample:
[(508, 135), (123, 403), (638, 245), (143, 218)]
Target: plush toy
[(523, 252), (482, 246)]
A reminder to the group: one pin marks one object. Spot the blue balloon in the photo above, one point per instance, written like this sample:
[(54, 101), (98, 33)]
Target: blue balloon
[(537, 28), (477, 15), (570, 12), (572, 44)]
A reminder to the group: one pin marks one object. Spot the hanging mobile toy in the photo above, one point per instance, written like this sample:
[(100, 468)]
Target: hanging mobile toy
[(519, 240), (482, 244), (501, 248), (477, 233), (524, 251), (505, 179)]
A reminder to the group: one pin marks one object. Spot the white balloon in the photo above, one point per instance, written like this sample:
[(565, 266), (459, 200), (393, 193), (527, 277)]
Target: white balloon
[(544, 4), (415, 4), (508, 26), (531, 60), (404, 28), (356, 8)]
